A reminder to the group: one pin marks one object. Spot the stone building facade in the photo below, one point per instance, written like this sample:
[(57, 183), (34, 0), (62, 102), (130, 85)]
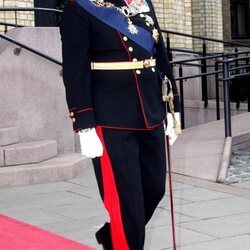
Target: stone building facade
[(24, 18), (209, 18)]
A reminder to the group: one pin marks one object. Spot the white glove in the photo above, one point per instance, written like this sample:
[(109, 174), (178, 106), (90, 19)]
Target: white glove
[(170, 127), (91, 145)]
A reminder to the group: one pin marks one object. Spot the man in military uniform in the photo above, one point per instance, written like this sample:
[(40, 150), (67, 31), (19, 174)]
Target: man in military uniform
[(113, 65)]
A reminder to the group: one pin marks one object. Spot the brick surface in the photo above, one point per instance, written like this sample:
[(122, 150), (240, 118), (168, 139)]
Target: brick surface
[(26, 17)]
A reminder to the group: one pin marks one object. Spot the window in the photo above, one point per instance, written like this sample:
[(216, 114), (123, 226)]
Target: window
[(240, 19)]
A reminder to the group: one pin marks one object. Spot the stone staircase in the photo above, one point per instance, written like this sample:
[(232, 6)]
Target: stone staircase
[(33, 162)]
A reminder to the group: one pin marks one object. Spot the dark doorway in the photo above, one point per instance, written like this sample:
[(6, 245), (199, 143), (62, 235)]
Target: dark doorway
[(47, 19)]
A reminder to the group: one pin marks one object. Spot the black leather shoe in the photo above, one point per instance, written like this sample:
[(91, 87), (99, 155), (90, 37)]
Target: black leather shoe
[(103, 237)]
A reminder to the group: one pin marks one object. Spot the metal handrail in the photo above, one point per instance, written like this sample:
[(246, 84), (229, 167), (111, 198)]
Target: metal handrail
[(205, 38), (15, 9), (11, 24), (196, 59), (27, 9), (11, 40)]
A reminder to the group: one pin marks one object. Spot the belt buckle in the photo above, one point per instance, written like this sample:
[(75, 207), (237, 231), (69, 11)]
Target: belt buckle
[(146, 64)]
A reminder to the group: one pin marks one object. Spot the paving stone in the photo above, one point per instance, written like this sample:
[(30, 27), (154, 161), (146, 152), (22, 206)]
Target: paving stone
[(161, 237), (162, 217), (244, 184), (199, 194), (12, 193), (81, 210), (165, 202), (234, 243), (1, 157), (86, 177), (46, 200), (221, 227), (80, 231), (215, 208), (33, 216), (178, 186), (72, 225), (88, 192)]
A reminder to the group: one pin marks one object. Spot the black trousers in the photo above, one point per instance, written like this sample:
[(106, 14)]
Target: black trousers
[(131, 176)]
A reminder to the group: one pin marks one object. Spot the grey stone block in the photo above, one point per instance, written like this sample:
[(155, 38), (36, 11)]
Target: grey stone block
[(8, 135), (29, 152), (162, 218), (1, 157), (199, 194), (62, 167), (83, 210), (165, 202), (215, 208), (222, 227), (34, 216), (177, 186), (25, 193), (161, 238), (234, 243), (47, 200)]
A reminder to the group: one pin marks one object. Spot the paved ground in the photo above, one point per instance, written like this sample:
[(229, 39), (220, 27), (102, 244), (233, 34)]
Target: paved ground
[(208, 215), (205, 144)]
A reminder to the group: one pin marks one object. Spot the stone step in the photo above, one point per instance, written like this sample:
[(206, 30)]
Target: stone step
[(61, 167), (8, 135), (28, 152)]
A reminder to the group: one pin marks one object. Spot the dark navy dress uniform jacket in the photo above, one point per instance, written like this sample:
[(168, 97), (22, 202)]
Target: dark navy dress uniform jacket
[(122, 99)]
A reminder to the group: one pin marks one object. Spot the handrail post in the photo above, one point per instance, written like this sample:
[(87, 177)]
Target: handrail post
[(248, 98), (217, 91), (204, 78), (248, 89), (169, 52), (182, 98), (236, 60), (16, 18), (237, 71), (227, 111)]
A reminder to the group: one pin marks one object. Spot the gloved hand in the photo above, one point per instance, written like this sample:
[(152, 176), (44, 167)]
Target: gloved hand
[(91, 145), (170, 127)]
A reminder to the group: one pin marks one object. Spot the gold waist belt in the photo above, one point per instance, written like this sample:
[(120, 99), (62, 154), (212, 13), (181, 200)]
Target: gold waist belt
[(123, 65)]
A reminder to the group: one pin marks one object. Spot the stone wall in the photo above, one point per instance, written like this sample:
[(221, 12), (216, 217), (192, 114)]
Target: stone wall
[(24, 18), (226, 19), (207, 21), (175, 15)]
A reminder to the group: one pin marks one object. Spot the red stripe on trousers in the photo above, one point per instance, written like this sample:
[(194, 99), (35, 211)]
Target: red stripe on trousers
[(111, 199)]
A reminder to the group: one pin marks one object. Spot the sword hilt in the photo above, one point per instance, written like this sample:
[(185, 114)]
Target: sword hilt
[(169, 98)]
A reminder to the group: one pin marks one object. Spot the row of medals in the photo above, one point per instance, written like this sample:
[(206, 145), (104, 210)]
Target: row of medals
[(129, 11)]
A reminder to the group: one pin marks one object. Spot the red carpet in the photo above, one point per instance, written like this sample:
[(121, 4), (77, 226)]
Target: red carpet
[(16, 235)]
